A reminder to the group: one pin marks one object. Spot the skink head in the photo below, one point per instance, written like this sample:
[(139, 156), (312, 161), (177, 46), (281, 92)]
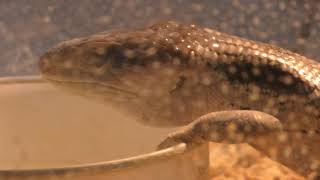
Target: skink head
[(140, 70)]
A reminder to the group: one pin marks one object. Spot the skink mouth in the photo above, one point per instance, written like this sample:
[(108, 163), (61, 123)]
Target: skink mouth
[(95, 88), (304, 131)]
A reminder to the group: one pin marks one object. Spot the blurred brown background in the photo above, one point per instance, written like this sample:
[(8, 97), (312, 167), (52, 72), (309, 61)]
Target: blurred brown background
[(29, 27)]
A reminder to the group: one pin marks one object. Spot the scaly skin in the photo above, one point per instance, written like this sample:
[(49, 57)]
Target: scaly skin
[(237, 126), (169, 74)]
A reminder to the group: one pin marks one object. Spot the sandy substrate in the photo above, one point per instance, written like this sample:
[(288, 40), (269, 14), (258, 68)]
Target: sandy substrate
[(244, 162)]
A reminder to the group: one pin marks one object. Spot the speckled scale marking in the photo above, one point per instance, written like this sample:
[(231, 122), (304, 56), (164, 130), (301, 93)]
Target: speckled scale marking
[(169, 74), (198, 41)]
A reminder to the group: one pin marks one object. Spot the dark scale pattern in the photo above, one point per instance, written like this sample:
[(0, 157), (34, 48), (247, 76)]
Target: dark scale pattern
[(277, 80), (198, 41), (170, 74)]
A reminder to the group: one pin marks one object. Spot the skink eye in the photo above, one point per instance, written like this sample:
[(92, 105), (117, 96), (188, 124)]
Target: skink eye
[(180, 82)]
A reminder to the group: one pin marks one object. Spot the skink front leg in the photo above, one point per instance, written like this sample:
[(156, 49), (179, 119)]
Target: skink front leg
[(233, 126)]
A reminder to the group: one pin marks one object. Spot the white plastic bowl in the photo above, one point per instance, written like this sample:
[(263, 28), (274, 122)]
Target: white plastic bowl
[(48, 134)]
